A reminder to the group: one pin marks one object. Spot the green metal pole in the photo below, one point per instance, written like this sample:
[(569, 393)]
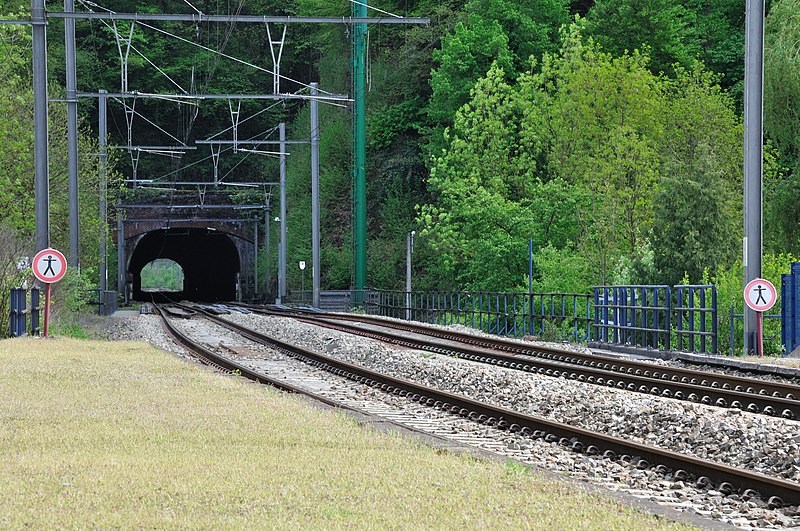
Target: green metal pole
[(359, 148)]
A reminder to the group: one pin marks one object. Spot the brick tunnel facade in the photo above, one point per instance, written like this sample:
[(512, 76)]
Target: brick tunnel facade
[(217, 259)]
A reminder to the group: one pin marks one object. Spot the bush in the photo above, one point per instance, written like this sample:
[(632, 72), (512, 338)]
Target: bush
[(68, 297), (561, 271)]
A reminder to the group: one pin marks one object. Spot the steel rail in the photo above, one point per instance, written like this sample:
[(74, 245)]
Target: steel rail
[(221, 363), (727, 478), (652, 384), (750, 386)]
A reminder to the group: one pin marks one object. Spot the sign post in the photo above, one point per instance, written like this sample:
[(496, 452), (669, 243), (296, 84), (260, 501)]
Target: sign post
[(49, 266), (760, 295)]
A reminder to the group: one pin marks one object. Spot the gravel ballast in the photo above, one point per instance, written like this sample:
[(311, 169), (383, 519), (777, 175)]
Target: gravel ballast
[(730, 436)]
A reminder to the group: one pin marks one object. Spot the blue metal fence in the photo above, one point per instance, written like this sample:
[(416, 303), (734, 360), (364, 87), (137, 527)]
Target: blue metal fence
[(19, 311), (682, 318), (632, 315), (555, 315), (696, 309), (790, 309)]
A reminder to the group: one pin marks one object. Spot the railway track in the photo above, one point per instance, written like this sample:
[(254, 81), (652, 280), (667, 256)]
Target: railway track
[(726, 479), (721, 390)]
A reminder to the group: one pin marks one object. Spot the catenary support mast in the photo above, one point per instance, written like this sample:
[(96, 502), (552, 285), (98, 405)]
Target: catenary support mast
[(72, 136), (282, 248), (315, 242), (42, 181), (753, 155), (359, 148), (102, 140)]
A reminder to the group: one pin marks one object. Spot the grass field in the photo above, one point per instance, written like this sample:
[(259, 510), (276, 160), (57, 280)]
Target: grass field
[(121, 435)]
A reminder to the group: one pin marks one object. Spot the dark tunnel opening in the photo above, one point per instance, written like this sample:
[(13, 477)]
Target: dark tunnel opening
[(209, 259)]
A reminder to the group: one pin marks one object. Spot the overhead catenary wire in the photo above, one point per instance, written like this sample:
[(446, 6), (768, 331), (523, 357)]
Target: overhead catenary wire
[(135, 49), (146, 119), (228, 33), (265, 109), (190, 5), (236, 59), (254, 137), (249, 152), (206, 48), (216, 53), (375, 9), (226, 39), (151, 63)]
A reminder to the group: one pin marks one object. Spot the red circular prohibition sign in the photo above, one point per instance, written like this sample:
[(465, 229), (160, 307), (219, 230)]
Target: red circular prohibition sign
[(49, 266), (760, 295)]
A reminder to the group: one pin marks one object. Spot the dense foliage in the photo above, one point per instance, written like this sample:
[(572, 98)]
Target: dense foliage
[(17, 215), (609, 132)]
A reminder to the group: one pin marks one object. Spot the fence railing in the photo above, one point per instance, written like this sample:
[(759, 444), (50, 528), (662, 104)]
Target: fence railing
[(696, 309), (682, 318), (548, 315), (632, 315), (20, 309)]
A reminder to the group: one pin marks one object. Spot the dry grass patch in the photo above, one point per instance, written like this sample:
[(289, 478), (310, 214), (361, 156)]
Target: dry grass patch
[(97, 434)]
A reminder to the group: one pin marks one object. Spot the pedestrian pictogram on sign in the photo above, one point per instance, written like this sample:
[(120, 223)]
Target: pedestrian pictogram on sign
[(760, 295), (49, 266)]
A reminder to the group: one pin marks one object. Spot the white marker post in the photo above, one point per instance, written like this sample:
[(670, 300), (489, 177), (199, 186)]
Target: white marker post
[(760, 296), (302, 265), (49, 266)]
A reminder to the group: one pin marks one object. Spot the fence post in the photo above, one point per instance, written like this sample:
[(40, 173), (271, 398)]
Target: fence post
[(668, 304), (731, 329), (786, 339), (598, 334), (714, 329), (680, 311), (655, 317), (691, 319), (795, 297), (14, 313), (35, 309)]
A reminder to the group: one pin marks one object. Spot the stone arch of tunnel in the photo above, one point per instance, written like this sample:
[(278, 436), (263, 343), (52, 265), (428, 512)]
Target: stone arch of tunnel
[(210, 261)]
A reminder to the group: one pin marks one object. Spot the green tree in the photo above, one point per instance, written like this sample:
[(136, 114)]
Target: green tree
[(691, 232), (503, 32), (782, 78), (657, 27), (695, 225), (781, 196), (532, 26), (604, 126), (488, 199), (719, 30), (17, 205), (465, 57)]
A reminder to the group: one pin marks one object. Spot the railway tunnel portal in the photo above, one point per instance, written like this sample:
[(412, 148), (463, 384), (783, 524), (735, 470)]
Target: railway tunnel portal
[(217, 256), (209, 259)]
